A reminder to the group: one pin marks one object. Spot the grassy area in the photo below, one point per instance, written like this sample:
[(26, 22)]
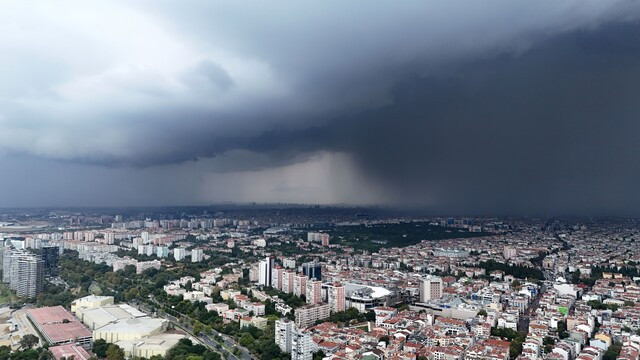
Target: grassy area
[(7, 296), (374, 237)]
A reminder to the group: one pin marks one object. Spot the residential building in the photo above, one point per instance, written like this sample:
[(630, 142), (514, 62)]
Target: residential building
[(430, 288)]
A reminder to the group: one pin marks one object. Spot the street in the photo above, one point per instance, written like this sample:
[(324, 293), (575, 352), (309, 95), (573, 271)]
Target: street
[(204, 339)]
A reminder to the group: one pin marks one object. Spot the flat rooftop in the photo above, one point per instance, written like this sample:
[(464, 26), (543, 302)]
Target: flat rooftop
[(52, 314), (133, 326), (57, 324), (67, 351)]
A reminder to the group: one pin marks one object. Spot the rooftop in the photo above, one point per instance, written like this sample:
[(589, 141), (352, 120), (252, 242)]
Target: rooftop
[(67, 351)]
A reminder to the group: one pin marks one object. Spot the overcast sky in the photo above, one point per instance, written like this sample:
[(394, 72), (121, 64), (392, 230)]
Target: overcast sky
[(487, 107)]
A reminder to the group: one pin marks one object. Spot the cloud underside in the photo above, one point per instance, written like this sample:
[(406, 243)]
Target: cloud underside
[(516, 109)]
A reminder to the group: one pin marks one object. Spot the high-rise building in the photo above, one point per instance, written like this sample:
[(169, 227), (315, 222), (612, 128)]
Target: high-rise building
[(266, 271), (283, 334), (51, 257), (6, 264), (430, 288), (162, 251), (302, 346), (325, 239), (179, 253), (335, 297), (109, 237), (509, 252), (287, 281), (300, 285), (197, 255), (312, 270), (276, 281), (30, 276), (291, 340), (314, 292), (23, 271)]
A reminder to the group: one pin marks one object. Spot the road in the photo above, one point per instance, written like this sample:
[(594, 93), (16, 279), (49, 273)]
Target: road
[(207, 340)]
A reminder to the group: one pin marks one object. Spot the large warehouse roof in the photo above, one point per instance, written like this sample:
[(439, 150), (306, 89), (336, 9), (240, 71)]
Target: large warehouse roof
[(57, 324)]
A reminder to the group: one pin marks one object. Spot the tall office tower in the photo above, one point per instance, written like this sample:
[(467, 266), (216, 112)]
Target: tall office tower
[(266, 271), (312, 270), (314, 292), (51, 257), (430, 288), (30, 276), (336, 297), (197, 255)]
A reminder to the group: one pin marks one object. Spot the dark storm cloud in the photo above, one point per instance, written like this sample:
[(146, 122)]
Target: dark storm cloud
[(552, 130), (496, 106)]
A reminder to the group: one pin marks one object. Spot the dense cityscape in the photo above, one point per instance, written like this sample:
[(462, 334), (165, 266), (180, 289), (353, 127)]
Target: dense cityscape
[(317, 283)]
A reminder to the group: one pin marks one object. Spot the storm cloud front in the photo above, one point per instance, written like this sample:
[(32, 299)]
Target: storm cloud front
[(496, 107)]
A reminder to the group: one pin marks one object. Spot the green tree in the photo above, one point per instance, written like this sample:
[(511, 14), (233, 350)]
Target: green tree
[(612, 352), (114, 352), (246, 340), (100, 348), (28, 341), (197, 328)]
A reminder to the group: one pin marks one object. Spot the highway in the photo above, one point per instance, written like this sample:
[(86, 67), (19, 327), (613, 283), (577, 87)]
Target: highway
[(207, 340)]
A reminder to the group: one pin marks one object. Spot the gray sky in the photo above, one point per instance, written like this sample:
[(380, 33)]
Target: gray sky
[(469, 106)]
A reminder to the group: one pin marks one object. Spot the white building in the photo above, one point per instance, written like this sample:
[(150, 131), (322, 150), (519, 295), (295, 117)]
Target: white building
[(430, 288), (265, 272), (197, 255), (291, 340), (283, 334), (509, 252), (179, 253)]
